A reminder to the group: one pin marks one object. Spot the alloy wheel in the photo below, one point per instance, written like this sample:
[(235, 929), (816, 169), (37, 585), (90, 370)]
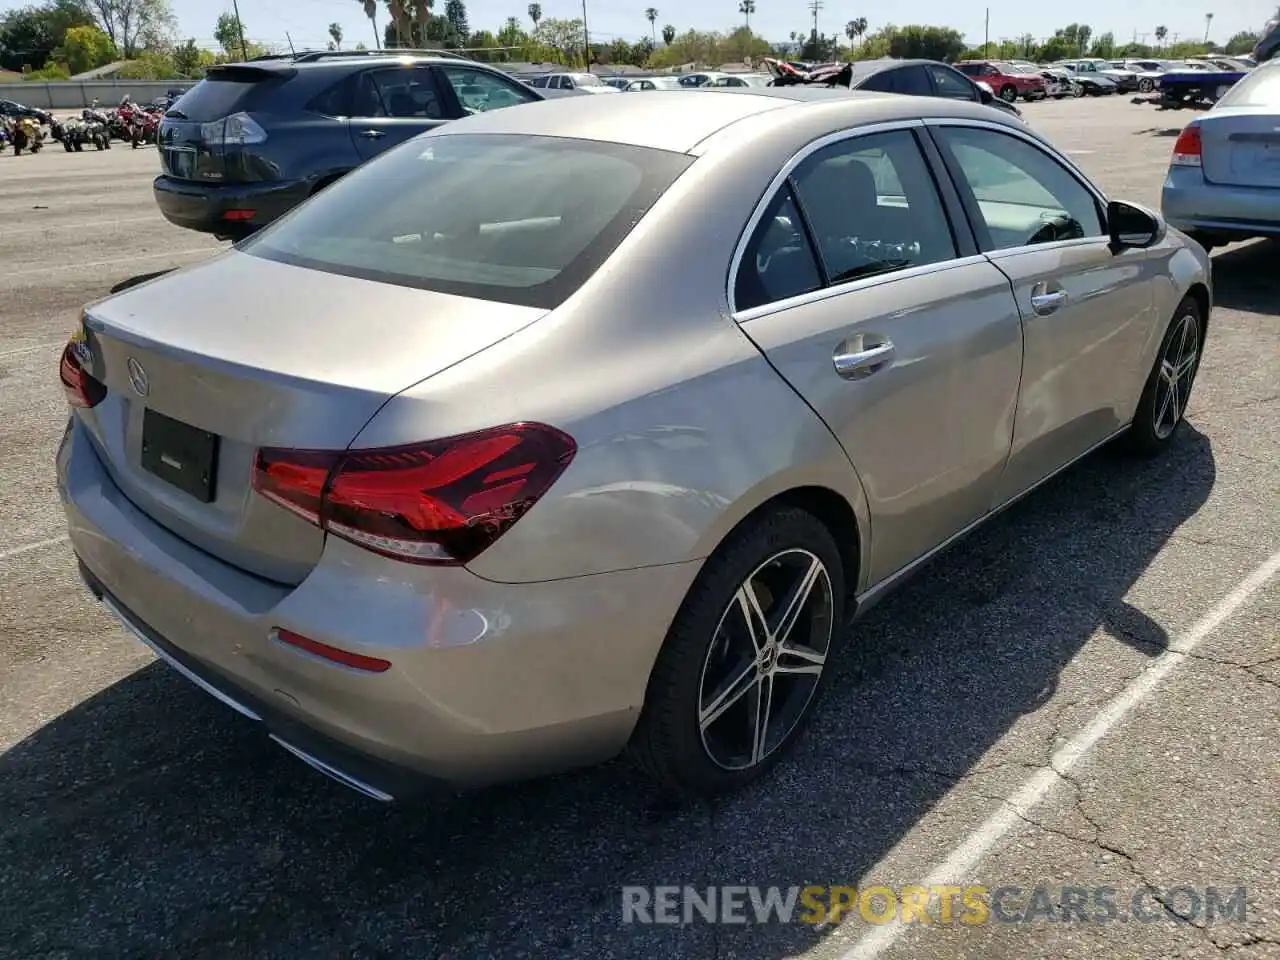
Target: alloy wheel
[(765, 660), (1177, 372)]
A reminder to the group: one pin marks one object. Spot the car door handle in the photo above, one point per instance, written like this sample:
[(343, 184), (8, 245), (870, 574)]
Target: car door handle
[(857, 364), (1047, 301), (372, 134)]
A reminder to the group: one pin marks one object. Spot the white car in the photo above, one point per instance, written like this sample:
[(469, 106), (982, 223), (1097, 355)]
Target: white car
[(581, 82), (652, 83)]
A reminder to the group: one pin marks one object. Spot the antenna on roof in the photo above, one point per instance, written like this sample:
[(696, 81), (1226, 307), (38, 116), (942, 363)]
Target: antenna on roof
[(290, 39)]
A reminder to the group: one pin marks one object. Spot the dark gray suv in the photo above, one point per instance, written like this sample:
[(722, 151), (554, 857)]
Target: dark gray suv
[(252, 140)]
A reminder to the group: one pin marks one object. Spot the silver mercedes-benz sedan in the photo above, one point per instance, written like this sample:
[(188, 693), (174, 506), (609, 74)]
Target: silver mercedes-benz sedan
[(1224, 174), (581, 427)]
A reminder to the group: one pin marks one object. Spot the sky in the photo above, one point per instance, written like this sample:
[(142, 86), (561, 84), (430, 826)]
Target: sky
[(306, 21)]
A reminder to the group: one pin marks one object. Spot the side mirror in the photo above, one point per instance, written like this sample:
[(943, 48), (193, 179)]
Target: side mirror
[(1132, 226), (985, 93)]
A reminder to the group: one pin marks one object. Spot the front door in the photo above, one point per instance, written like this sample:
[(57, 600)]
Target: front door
[(856, 290), (1086, 310), (393, 104)]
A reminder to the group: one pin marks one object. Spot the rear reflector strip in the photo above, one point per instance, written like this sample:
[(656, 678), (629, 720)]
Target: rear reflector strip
[(357, 661)]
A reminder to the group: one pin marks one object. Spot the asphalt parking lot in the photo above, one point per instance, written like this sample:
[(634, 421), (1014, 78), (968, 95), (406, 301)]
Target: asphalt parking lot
[(1013, 718)]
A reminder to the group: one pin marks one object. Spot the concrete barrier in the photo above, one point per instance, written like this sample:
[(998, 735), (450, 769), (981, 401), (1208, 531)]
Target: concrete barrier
[(77, 94)]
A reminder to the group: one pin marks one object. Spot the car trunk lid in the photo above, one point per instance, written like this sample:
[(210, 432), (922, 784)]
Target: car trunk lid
[(201, 371), (193, 136), (1241, 147)]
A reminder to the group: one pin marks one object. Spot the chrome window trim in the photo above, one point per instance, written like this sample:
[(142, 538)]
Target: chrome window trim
[(826, 293), (780, 178), (1033, 141)]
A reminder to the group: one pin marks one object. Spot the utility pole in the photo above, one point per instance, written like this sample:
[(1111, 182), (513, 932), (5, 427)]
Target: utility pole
[(1208, 19), (986, 34), (244, 50), (586, 37), (814, 7)]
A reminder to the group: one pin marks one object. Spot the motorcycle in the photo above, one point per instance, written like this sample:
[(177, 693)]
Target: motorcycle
[(27, 135), (96, 127)]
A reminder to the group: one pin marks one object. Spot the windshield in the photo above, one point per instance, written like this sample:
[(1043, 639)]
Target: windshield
[(519, 219), (587, 80)]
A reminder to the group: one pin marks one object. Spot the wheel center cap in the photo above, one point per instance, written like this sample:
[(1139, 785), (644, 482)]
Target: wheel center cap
[(768, 656)]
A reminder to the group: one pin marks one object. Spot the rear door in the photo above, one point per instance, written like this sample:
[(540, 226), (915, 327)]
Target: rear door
[(900, 337), (1086, 310), (394, 104)]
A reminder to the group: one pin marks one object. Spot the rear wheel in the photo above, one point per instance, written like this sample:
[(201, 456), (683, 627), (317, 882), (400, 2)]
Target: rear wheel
[(1008, 93), (1163, 405), (1146, 85), (743, 662), (1077, 90)]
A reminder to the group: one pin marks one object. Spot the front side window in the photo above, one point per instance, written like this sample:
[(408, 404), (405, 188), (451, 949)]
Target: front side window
[(912, 81), (480, 90), (872, 207), (1022, 195), (516, 219)]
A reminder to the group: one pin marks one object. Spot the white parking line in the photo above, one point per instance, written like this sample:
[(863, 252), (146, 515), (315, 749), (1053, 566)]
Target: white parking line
[(38, 271), (32, 547), (4, 354), (957, 867)]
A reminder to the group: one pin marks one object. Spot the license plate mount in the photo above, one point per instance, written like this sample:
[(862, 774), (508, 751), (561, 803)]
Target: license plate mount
[(180, 454)]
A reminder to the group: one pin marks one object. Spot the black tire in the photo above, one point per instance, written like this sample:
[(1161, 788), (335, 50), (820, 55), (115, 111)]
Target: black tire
[(79, 146), (1008, 93), (66, 145), (670, 743), (1146, 85), (1154, 426)]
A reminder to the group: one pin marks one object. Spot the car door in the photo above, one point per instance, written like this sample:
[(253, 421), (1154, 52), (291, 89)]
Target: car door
[(1086, 308), (885, 319), (952, 84), (393, 104)]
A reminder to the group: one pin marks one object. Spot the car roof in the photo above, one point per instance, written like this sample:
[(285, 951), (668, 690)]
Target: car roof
[(679, 120)]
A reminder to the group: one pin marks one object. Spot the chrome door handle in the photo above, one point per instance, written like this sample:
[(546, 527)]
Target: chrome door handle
[(1047, 302), (372, 134), (856, 364)]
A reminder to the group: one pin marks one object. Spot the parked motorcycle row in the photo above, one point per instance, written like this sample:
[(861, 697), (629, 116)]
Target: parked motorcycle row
[(129, 122)]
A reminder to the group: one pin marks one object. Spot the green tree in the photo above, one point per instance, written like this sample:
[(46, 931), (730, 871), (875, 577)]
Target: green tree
[(855, 29), (651, 14), (745, 7), (84, 48), (229, 31), (565, 37), (455, 11), (668, 34), (29, 35), (927, 43), (1242, 42), (535, 14), (136, 25), (370, 11), (1161, 32), (1104, 47), (335, 36)]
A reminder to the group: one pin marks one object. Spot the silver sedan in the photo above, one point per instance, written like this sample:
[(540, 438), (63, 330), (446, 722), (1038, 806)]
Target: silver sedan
[(1224, 175), (583, 427)]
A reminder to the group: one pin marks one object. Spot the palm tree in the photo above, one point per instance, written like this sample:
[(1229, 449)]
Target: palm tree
[(1161, 32), (855, 28), (371, 11), (1208, 19), (668, 34), (335, 35), (535, 14), (747, 8), (651, 14)]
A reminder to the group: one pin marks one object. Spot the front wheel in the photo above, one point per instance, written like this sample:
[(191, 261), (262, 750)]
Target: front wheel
[(1146, 85), (744, 661), (1008, 93), (1077, 90), (1163, 405)]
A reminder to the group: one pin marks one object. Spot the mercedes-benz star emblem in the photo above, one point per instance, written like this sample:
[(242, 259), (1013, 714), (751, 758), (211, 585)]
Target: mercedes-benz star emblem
[(138, 377)]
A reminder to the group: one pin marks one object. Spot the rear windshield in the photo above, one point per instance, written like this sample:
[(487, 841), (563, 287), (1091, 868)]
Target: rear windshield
[(1261, 88), (213, 99), (518, 219)]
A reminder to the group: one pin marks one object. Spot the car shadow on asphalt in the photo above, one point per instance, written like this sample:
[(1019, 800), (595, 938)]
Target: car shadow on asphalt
[(1245, 277), (151, 820)]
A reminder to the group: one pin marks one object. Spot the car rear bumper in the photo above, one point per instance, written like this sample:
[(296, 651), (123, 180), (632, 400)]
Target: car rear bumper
[(488, 682), (1194, 205), (209, 207)]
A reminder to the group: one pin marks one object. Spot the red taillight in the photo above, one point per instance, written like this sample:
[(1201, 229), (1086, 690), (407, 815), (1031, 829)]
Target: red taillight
[(1186, 150), (237, 215), (357, 661), (444, 501), (82, 389)]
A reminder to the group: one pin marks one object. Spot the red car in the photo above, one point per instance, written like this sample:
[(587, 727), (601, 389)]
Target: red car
[(1007, 81)]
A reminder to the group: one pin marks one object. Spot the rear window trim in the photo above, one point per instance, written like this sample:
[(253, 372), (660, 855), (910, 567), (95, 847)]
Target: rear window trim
[(547, 295)]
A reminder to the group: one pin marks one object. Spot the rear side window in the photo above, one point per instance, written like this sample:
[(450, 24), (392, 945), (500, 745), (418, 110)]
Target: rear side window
[(1260, 88), (401, 93), (517, 219), (480, 90), (950, 84), (778, 262)]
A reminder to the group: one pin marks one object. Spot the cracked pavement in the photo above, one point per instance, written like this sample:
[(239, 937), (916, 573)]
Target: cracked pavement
[(141, 818)]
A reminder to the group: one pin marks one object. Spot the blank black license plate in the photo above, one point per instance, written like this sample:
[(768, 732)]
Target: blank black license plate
[(180, 454)]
